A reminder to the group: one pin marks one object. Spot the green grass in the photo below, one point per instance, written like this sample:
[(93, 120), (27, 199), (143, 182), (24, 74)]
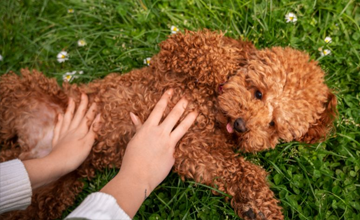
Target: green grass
[(313, 182)]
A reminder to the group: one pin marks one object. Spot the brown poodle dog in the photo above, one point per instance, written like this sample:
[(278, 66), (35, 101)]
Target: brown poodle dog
[(247, 99)]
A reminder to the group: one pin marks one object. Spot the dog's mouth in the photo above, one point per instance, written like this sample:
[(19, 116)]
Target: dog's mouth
[(229, 128), (220, 88), (238, 126)]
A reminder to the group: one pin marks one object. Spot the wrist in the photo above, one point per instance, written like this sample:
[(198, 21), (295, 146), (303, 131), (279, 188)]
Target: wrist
[(129, 192), (41, 171), (141, 181), (57, 166), (61, 163)]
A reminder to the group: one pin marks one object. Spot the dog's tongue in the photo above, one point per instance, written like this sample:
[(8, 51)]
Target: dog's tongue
[(229, 128), (220, 88)]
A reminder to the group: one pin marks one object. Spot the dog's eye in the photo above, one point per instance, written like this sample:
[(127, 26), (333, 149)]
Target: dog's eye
[(258, 94), (272, 123)]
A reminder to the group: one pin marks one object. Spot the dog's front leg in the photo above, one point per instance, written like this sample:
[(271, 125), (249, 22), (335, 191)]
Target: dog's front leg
[(208, 160), (252, 197)]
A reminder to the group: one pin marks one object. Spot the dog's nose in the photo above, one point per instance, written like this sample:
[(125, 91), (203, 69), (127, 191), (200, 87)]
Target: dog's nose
[(239, 125)]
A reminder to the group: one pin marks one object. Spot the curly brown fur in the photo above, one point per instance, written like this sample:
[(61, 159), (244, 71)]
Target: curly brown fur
[(246, 98)]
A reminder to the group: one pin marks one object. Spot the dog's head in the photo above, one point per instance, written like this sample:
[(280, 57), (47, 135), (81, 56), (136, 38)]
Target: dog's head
[(279, 95)]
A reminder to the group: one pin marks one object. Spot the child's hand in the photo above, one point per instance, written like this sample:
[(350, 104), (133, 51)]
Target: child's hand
[(72, 141), (74, 135), (149, 155)]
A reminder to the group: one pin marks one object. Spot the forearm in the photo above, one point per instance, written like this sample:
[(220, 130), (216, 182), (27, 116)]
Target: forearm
[(129, 192), (42, 171)]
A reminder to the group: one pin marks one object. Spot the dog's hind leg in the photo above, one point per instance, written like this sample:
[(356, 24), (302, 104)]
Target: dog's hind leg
[(28, 110)]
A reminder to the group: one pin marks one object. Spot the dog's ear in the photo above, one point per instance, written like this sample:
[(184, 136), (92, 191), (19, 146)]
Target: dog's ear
[(322, 126)]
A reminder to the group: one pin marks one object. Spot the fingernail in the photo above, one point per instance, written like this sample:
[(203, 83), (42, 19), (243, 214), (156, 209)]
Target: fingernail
[(71, 102), (94, 106), (133, 117), (170, 91), (185, 103), (196, 113), (97, 119)]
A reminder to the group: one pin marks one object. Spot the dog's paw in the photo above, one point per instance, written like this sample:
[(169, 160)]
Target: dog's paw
[(251, 211), (250, 214), (261, 216)]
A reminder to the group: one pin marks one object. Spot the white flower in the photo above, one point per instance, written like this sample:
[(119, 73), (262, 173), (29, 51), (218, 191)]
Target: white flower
[(70, 10), (147, 61), (174, 29), (62, 56), (328, 40), (324, 52), (81, 43), (290, 17), (68, 77), (1, 58)]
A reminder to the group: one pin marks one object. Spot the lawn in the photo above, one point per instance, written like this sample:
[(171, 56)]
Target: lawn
[(319, 181)]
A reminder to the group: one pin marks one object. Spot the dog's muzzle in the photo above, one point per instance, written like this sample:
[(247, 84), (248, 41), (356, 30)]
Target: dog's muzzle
[(239, 125)]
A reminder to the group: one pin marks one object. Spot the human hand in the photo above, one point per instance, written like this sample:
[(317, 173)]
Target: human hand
[(72, 142), (74, 135), (149, 155)]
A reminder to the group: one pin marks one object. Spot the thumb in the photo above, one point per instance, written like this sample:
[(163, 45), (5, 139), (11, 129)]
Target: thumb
[(136, 121), (91, 135), (57, 130)]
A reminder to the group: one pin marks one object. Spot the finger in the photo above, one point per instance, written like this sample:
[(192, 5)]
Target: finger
[(174, 116), (90, 136), (183, 127), (57, 130), (80, 112), (67, 117), (136, 121), (89, 117), (159, 108), (97, 123)]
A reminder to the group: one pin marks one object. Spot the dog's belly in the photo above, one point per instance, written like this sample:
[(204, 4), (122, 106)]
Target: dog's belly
[(43, 146), (35, 128)]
